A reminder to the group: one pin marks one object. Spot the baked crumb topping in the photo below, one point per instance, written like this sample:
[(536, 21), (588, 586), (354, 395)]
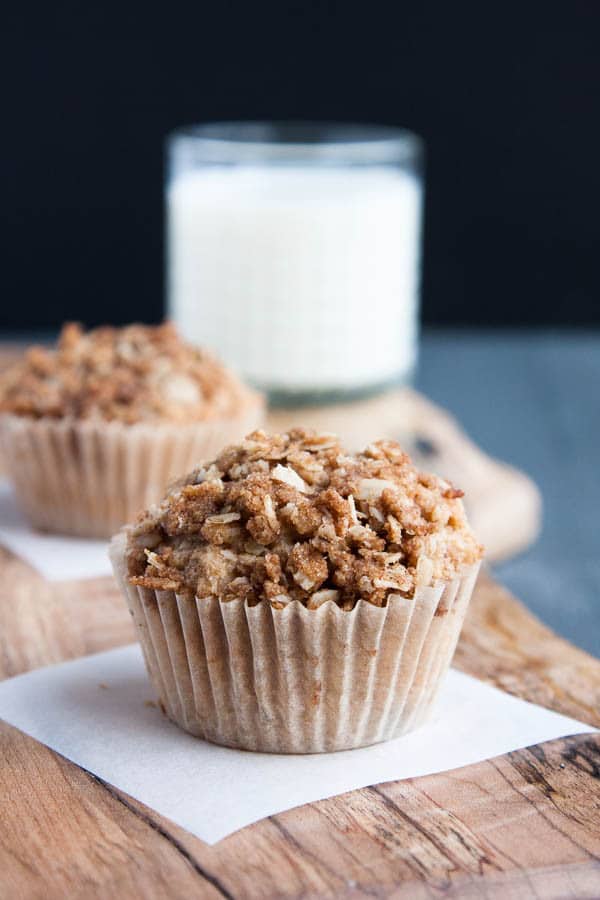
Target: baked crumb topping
[(293, 517), (138, 373)]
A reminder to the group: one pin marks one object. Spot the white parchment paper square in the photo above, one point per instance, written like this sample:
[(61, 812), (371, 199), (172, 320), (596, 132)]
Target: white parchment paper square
[(94, 711), (56, 557)]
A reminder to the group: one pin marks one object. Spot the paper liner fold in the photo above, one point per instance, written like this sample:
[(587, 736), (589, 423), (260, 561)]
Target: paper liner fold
[(89, 478), (296, 680)]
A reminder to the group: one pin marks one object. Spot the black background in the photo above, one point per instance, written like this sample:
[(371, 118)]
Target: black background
[(506, 97)]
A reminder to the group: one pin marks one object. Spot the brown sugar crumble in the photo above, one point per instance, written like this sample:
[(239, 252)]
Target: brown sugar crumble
[(294, 517), (139, 373)]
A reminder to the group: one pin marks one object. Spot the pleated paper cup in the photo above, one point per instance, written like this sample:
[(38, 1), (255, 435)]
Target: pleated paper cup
[(88, 478), (296, 680)]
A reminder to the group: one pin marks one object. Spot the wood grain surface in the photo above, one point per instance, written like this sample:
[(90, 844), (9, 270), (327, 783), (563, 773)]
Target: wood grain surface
[(523, 825)]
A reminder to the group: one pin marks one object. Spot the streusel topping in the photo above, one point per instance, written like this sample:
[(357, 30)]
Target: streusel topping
[(294, 517), (138, 373)]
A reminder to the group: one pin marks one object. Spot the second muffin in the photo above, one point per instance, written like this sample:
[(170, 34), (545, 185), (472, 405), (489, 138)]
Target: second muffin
[(93, 430), (290, 597)]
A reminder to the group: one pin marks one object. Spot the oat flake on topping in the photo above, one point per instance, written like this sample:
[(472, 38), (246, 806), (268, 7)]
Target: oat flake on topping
[(138, 373), (294, 517)]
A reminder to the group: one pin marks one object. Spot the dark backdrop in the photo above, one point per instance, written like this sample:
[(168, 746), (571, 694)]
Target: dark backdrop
[(506, 97)]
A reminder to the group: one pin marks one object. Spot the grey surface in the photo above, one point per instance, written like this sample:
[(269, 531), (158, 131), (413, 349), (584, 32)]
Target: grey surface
[(533, 400)]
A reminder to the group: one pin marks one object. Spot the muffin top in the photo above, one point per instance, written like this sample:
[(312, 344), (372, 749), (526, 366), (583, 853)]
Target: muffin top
[(139, 373), (294, 517)]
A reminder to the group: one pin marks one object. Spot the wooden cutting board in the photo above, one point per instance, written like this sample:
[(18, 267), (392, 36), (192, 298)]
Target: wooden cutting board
[(525, 824), (521, 825)]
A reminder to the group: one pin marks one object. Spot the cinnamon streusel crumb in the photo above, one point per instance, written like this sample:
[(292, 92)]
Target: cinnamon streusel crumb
[(138, 373), (294, 517)]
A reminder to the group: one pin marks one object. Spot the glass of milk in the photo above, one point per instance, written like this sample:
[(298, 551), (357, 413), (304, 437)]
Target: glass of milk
[(294, 253)]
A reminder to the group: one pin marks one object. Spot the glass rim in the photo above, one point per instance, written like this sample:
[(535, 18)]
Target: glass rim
[(303, 139)]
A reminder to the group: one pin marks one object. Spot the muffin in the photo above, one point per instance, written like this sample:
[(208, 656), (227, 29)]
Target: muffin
[(292, 598), (93, 430)]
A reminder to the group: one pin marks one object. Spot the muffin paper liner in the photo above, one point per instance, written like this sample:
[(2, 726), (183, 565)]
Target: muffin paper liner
[(88, 478), (296, 680)]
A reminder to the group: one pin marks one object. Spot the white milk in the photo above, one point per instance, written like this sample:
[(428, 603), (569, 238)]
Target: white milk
[(303, 279)]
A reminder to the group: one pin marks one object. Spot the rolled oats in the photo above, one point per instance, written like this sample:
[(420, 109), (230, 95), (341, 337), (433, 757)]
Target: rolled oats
[(138, 373), (293, 517)]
